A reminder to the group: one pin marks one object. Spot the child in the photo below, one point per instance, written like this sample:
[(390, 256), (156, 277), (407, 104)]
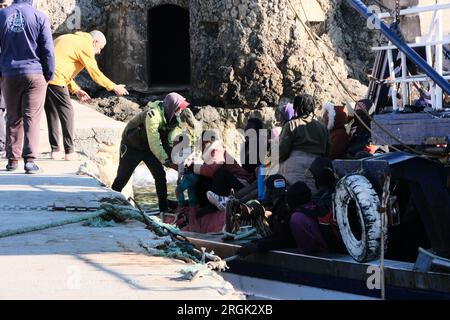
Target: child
[(213, 153), (313, 225), (187, 180)]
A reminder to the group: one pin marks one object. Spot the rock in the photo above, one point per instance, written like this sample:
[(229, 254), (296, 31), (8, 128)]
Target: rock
[(244, 54), (119, 108), (97, 139), (68, 16)]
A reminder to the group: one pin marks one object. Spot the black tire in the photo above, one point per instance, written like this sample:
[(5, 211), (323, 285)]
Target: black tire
[(356, 206)]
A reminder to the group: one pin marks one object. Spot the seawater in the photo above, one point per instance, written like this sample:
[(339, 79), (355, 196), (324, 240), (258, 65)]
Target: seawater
[(146, 196)]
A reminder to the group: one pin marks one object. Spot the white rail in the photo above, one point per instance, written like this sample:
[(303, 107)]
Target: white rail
[(436, 40), (418, 9)]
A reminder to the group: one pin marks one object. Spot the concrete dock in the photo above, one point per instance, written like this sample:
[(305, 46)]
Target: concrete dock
[(74, 261)]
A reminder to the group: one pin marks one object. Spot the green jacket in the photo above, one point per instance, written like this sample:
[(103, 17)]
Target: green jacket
[(156, 125), (149, 130), (307, 135)]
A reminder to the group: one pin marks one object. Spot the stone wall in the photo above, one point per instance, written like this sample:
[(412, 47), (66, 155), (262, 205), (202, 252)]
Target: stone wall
[(244, 53), (71, 15)]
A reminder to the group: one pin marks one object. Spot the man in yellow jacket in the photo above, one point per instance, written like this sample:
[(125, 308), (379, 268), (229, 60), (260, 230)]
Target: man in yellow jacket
[(74, 52)]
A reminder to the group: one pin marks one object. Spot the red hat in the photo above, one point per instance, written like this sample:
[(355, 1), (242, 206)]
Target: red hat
[(335, 117)]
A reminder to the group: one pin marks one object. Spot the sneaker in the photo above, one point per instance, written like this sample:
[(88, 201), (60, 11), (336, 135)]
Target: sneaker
[(12, 165), (32, 168), (219, 201)]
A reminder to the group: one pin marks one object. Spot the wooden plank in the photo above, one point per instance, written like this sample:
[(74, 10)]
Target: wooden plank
[(411, 129)]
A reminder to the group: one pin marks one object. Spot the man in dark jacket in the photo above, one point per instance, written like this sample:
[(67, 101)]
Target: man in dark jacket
[(3, 4), (27, 63)]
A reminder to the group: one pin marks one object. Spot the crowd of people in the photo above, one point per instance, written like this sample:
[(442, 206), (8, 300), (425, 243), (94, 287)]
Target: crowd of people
[(38, 76), (298, 192)]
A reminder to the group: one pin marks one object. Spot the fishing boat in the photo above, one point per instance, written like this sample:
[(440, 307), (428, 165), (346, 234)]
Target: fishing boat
[(385, 258)]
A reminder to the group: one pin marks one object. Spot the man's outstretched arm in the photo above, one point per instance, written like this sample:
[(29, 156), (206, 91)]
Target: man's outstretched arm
[(89, 62)]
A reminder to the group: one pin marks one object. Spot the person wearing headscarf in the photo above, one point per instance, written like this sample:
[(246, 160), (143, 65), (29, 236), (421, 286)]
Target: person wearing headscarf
[(279, 216), (313, 225), (283, 115), (360, 135), (302, 140), (335, 118), (149, 138)]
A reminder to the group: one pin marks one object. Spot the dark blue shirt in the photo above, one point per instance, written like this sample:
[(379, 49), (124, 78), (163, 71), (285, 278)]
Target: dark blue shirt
[(26, 41)]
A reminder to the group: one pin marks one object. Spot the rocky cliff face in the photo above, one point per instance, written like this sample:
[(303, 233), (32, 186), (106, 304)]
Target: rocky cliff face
[(244, 53), (73, 15), (261, 53)]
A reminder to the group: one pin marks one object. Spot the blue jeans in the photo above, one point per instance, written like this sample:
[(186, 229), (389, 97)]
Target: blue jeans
[(188, 183)]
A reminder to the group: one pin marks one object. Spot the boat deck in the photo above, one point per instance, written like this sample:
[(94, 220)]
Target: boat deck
[(410, 128), (330, 271)]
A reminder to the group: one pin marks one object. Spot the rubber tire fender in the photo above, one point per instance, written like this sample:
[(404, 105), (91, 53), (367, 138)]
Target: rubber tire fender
[(359, 189)]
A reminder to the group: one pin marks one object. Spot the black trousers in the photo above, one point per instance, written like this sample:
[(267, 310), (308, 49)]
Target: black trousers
[(130, 158), (223, 181), (59, 110)]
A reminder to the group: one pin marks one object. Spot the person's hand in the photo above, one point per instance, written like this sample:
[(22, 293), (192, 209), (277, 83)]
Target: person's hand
[(83, 96), (169, 164), (188, 162), (189, 169), (120, 90), (247, 250)]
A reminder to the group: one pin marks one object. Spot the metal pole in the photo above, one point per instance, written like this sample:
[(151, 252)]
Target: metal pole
[(429, 53), (410, 53), (393, 86), (405, 97), (439, 59)]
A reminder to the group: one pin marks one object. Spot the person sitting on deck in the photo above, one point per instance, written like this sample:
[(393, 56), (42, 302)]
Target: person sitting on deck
[(302, 141), (283, 115), (279, 216), (313, 224), (361, 136), (251, 161), (222, 173), (335, 118), (250, 151), (187, 179)]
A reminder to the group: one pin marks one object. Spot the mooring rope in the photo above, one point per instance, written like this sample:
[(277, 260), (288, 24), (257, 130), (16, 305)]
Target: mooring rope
[(77, 219), (180, 248)]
